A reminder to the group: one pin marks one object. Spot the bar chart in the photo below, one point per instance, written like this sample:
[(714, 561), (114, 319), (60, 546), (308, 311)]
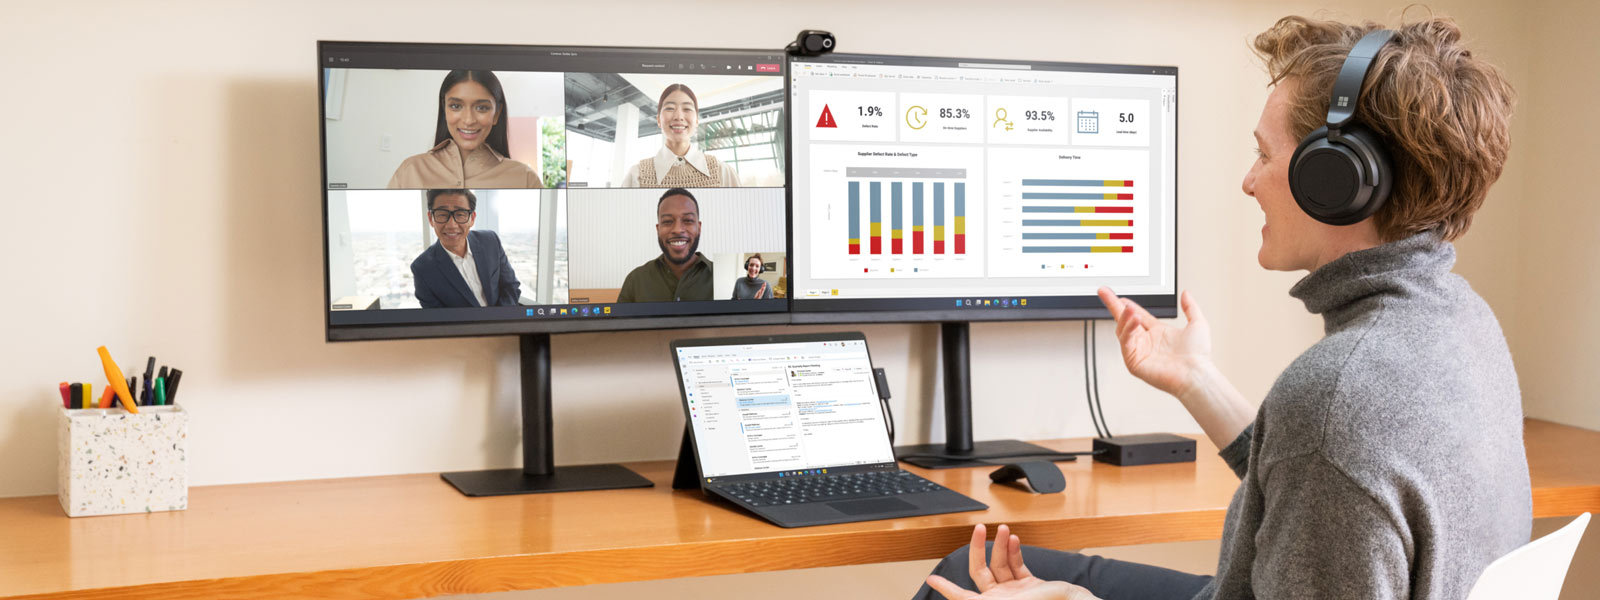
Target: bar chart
[(945, 188), (1065, 213), (896, 212)]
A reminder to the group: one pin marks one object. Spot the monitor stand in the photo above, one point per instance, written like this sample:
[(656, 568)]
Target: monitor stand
[(539, 474), (958, 445)]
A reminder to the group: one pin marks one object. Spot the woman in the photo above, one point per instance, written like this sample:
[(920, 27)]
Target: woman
[(1387, 460), (752, 286), (679, 164), (470, 149)]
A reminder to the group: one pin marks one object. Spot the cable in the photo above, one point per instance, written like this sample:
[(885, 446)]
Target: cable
[(1088, 396), (888, 417), (1099, 407)]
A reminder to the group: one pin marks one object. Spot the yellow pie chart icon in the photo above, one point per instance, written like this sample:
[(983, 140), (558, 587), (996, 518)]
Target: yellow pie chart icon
[(917, 117)]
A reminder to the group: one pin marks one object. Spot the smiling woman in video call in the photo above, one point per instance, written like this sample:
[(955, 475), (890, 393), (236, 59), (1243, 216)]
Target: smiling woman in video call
[(470, 148), (752, 286), (679, 163)]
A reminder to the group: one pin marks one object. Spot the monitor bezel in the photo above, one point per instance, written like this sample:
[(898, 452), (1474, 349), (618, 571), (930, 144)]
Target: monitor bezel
[(817, 311), (498, 327)]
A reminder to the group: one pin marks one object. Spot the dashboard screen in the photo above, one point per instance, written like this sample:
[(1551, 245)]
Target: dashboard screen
[(945, 183)]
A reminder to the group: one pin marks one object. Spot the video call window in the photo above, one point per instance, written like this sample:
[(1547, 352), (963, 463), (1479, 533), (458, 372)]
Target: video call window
[(421, 129), (455, 176), (674, 130), (382, 249)]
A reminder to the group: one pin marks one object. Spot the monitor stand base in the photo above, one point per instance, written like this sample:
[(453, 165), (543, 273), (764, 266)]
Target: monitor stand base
[(1007, 450), (504, 482)]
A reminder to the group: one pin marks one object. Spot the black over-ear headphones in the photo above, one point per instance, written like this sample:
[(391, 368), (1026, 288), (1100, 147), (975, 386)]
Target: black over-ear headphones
[(1341, 172)]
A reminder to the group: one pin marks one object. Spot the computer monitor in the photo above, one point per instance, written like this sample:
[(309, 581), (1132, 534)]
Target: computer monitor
[(547, 165), (474, 190), (958, 190)]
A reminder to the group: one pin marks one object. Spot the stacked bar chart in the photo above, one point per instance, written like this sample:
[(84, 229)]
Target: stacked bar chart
[(899, 216), (948, 186), (855, 217), (1045, 222), (916, 218), (877, 217)]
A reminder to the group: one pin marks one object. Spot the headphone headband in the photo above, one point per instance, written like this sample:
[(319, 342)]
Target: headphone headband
[(1347, 88)]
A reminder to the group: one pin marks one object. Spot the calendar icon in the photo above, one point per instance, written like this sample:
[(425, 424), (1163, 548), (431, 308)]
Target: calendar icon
[(1088, 121)]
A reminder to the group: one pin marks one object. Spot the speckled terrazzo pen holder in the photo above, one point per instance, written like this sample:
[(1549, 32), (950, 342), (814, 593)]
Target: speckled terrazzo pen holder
[(113, 462)]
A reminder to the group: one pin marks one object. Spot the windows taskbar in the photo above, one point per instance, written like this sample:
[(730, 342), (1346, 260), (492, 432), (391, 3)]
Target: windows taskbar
[(965, 303), (549, 312)]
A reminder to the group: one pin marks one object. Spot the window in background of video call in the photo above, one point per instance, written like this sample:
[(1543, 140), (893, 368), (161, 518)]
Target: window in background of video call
[(488, 182)]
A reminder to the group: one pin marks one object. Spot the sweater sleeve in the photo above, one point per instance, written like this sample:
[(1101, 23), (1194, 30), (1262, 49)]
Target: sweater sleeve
[(1322, 536), (1237, 454)]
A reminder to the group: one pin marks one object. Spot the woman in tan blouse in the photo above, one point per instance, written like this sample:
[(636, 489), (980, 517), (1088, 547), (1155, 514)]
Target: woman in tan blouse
[(679, 163), (470, 149)]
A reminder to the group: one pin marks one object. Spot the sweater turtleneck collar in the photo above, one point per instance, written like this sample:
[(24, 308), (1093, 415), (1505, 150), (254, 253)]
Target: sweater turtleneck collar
[(1338, 289)]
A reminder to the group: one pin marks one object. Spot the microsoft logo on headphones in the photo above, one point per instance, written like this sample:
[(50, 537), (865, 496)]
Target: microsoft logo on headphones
[(1344, 101)]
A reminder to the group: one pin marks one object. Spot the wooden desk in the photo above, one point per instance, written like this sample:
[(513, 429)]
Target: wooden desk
[(413, 535)]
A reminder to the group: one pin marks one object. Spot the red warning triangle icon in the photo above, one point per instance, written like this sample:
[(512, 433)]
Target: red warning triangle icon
[(827, 118)]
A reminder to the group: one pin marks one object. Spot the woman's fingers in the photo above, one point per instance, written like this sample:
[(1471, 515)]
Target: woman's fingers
[(975, 567), (1126, 326), (1113, 304), (1018, 569), (947, 589), (1191, 308), (1138, 312), (999, 557)]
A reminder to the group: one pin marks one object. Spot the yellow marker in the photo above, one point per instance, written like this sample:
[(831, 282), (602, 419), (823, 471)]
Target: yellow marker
[(118, 382), (88, 396)]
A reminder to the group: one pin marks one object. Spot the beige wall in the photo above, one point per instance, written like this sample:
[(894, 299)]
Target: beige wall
[(1556, 338), (174, 148)]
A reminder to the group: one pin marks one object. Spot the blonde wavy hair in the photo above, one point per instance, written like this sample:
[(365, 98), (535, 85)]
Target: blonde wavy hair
[(1444, 113)]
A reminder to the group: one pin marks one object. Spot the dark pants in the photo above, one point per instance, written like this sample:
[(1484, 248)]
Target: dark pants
[(1109, 579)]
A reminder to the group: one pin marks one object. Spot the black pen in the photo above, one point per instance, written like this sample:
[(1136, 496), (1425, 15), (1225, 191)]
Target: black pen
[(149, 380), (172, 385)]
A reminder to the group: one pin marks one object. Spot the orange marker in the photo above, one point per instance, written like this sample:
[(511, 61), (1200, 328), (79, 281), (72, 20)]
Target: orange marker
[(117, 381), (106, 396)]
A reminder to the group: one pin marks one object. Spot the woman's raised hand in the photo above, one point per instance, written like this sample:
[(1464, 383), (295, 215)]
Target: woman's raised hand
[(1162, 355)]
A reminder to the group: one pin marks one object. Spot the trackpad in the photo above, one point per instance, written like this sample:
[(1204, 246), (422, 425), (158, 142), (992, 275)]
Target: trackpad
[(871, 506)]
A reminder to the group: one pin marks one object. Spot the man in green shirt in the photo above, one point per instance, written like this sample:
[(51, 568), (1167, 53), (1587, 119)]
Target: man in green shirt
[(681, 272)]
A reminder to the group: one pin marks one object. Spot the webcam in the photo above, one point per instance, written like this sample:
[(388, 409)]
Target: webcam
[(811, 42)]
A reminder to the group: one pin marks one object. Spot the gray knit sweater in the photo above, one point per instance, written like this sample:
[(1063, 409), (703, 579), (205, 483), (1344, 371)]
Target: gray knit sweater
[(1387, 461)]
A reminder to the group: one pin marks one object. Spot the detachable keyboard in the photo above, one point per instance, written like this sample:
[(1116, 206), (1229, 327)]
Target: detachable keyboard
[(828, 488)]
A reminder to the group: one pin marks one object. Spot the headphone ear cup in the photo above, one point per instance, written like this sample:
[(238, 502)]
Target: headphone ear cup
[(1340, 180), (1370, 146)]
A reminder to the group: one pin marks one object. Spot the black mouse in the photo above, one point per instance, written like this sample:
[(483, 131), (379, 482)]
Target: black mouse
[(1043, 476)]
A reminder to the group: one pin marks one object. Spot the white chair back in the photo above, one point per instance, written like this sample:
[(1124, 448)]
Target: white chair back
[(1536, 570)]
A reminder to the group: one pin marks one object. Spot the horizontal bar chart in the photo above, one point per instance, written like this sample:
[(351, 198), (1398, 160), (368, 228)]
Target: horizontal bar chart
[(1077, 236), (1077, 223), (1073, 196), (1077, 209), (1077, 249), (1079, 182)]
